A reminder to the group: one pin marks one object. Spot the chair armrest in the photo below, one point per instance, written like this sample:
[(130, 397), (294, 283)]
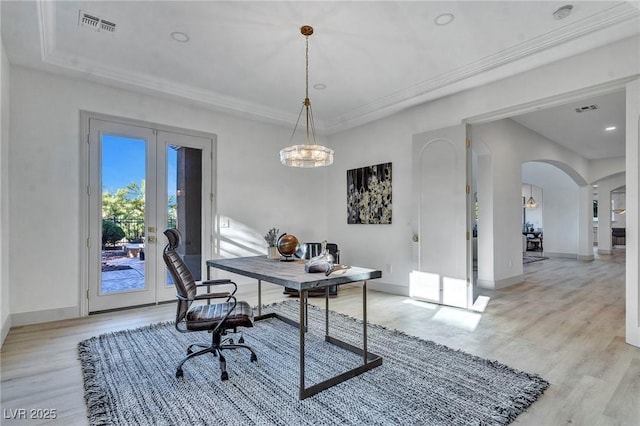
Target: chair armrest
[(212, 296), (214, 282), (205, 296), (209, 283)]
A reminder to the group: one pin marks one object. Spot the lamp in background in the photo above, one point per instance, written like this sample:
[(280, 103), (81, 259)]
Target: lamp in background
[(618, 202), (531, 203), (308, 155)]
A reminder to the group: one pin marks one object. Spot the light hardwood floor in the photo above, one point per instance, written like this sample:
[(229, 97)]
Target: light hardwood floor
[(565, 323)]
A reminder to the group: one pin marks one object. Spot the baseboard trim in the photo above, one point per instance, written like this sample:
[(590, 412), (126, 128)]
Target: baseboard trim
[(585, 257), (47, 315), (399, 290), (6, 326), (499, 284), (563, 255)]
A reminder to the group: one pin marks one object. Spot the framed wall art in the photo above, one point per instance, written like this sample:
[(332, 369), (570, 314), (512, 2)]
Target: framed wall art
[(369, 194)]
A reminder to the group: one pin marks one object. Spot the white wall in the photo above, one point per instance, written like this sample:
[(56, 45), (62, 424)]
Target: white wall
[(560, 208), (254, 190), (390, 139), (5, 319), (632, 291)]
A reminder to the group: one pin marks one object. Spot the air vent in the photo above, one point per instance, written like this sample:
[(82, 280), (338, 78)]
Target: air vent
[(587, 108), (107, 26), (94, 23), (89, 21)]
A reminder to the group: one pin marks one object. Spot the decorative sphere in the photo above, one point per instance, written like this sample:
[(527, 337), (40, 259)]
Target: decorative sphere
[(287, 245)]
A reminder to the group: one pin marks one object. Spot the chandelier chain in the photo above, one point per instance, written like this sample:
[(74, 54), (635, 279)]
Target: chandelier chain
[(306, 155)]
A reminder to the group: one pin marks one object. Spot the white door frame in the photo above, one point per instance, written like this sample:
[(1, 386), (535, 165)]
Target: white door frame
[(210, 228)]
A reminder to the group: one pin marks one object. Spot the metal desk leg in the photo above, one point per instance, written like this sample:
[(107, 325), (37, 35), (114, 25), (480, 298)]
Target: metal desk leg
[(259, 297), (364, 322), (303, 298), (326, 312)]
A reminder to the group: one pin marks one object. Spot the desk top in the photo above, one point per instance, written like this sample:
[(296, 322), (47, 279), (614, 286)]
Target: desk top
[(291, 274)]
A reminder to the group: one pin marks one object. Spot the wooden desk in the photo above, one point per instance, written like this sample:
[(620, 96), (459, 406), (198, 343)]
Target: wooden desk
[(292, 275)]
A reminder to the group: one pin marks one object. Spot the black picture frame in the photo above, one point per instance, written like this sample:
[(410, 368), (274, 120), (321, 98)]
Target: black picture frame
[(369, 195)]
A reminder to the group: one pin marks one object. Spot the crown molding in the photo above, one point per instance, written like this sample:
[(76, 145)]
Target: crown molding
[(448, 83), (147, 83), (428, 89)]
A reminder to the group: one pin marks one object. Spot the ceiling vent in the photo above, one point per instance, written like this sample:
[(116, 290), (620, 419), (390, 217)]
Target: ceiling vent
[(92, 22), (587, 108), (107, 26)]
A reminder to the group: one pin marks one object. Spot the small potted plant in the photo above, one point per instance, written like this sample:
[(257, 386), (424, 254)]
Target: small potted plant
[(271, 237)]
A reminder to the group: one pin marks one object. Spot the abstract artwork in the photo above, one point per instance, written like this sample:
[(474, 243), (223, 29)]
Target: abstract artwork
[(369, 194)]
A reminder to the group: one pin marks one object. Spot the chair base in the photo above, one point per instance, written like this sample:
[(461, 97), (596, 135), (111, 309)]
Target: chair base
[(216, 347)]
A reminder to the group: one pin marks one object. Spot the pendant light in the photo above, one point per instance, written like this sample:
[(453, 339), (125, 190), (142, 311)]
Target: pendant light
[(309, 154), (531, 203)]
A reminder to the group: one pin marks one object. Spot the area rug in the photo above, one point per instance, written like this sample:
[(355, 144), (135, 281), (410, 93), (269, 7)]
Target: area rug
[(531, 259), (129, 378)]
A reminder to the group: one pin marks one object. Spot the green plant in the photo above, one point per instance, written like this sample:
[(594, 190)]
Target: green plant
[(271, 236), (111, 233)]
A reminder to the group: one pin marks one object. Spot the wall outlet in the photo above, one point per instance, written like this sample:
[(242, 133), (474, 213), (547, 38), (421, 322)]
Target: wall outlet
[(225, 222), (389, 268)]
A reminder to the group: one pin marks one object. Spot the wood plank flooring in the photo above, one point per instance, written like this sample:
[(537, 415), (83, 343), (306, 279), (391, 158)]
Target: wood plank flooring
[(565, 323)]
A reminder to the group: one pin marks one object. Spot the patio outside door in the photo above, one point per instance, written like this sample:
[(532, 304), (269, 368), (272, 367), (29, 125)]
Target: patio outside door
[(141, 181)]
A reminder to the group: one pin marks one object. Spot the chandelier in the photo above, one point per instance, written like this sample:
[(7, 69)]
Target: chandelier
[(531, 203), (307, 155)]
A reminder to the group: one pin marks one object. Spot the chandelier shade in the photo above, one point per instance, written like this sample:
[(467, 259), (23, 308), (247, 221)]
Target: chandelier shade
[(306, 156), (310, 154), (531, 202)]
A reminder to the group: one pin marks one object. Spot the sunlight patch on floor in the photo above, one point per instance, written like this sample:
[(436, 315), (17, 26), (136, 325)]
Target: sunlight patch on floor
[(421, 304), (458, 318), (480, 304)]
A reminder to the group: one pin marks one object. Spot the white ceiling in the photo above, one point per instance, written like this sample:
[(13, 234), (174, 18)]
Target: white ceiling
[(375, 58)]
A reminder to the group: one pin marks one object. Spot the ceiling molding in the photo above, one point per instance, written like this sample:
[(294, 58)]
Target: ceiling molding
[(559, 99), (148, 84), (397, 101), (441, 85)]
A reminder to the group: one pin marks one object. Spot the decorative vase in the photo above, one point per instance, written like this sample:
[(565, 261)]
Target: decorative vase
[(272, 253)]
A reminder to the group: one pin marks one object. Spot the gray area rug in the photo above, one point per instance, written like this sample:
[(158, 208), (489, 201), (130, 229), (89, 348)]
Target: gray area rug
[(531, 259), (129, 378)]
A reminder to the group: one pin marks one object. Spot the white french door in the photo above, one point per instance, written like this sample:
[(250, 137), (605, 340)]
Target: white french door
[(141, 181)]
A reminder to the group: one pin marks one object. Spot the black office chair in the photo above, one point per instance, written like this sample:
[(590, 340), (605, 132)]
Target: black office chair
[(216, 318), (312, 250)]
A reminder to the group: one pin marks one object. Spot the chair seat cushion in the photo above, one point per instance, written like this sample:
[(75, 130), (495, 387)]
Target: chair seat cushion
[(206, 317)]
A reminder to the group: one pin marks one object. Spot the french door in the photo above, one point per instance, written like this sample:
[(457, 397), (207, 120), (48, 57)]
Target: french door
[(141, 181)]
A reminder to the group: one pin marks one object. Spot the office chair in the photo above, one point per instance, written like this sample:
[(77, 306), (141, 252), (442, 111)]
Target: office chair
[(216, 318), (312, 250)]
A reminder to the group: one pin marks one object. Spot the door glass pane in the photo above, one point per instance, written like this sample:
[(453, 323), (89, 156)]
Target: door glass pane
[(184, 207), (123, 214)]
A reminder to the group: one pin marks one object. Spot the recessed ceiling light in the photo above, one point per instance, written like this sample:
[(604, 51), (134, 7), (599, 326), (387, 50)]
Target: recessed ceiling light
[(180, 37), (610, 128), (319, 86), (444, 19), (563, 12)]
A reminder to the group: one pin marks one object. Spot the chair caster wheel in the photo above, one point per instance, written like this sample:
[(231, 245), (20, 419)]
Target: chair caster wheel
[(189, 351), (230, 341), (179, 373), (254, 358), (241, 340), (224, 376)]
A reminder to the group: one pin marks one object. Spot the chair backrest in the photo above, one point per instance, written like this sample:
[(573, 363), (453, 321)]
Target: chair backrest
[(314, 249), (183, 279)]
